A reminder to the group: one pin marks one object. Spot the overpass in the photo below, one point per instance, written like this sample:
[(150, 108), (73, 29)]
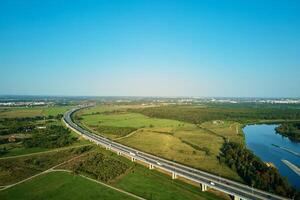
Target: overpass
[(205, 180)]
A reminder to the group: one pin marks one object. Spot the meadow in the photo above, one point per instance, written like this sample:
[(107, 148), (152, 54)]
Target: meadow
[(183, 142), (61, 185), (133, 177), (21, 112), (155, 185), (96, 163)]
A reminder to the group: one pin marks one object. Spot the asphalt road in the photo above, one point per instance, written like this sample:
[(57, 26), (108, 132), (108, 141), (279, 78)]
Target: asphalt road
[(201, 177)]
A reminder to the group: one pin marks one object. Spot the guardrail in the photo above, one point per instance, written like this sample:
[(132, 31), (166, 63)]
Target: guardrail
[(146, 158)]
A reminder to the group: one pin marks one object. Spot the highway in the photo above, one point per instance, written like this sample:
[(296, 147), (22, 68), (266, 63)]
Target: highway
[(237, 190)]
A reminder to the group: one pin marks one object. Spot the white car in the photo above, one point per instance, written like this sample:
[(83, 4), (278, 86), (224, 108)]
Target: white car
[(159, 163), (212, 183), (133, 154)]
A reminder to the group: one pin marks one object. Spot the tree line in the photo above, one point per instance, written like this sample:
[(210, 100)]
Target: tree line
[(290, 130), (196, 114), (254, 171), (22, 125)]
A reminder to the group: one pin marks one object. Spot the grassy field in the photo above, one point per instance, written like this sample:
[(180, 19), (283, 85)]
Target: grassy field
[(182, 147), (110, 120), (134, 120), (32, 111), (137, 179), (60, 185), (230, 130), (194, 145), (17, 147), (13, 170), (155, 185)]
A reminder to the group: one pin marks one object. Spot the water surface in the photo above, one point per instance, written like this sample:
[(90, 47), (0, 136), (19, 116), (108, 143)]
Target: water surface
[(259, 139)]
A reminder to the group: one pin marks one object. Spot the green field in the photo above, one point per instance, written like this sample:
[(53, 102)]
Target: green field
[(136, 179), (22, 123), (154, 185), (194, 145), (32, 111), (60, 185), (128, 120), (97, 163), (181, 146), (16, 169)]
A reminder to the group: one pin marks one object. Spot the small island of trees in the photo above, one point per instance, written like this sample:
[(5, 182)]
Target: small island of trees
[(290, 130)]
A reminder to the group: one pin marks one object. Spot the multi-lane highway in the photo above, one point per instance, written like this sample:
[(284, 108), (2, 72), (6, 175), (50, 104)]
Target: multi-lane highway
[(237, 190)]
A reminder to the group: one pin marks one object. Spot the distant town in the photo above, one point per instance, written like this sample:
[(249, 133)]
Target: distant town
[(16, 101)]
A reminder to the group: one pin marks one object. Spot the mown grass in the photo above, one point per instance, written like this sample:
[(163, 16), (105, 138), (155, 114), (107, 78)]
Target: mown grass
[(155, 185), (61, 185)]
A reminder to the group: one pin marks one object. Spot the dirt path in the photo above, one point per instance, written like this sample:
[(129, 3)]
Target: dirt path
[(126, 136), (43, 152), (52, 169), (46, 171)]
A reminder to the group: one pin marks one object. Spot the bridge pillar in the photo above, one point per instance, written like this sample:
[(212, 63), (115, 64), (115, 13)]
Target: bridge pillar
[(151, 166), (119, 153), (107, 147), (132, 159), (203, 187), (236, 197), (174, 175)]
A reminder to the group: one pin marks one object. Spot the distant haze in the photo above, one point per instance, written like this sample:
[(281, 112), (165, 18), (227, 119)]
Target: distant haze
[(150, 48)]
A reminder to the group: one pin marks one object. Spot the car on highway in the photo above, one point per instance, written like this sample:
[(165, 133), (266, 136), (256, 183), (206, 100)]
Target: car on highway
[(159, 163), (212, 183)]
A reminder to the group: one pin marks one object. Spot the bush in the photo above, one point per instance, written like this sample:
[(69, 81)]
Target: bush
[(101, 167), (51, 137)]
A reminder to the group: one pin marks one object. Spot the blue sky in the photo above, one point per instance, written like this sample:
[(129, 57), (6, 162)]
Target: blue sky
[(150, 48)]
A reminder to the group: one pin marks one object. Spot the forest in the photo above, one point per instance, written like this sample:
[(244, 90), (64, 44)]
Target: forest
[(197, 114)]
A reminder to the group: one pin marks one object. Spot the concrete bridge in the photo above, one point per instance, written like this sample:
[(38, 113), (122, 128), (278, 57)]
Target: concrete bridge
[(205, 180)]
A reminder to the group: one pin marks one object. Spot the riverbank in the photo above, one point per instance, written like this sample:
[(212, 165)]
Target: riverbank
[(263, 141)]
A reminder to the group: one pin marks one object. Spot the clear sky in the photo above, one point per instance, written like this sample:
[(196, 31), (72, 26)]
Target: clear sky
[(150, 48)]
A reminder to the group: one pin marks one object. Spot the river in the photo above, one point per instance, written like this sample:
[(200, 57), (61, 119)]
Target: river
[(259, 139)]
